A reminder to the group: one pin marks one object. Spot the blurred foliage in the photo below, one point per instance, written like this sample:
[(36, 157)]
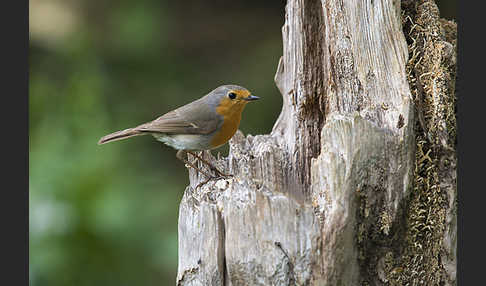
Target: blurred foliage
[(107, 215)]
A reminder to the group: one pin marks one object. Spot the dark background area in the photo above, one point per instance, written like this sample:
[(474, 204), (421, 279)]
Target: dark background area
[(107, 215)]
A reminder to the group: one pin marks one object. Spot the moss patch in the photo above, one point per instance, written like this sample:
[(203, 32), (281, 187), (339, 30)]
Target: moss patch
[(431, 72)]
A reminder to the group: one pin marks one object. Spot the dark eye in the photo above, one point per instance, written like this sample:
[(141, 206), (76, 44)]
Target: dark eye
[(232, 95)]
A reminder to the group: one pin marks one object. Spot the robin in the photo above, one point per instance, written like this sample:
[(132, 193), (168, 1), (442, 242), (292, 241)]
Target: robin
[(204, 124)]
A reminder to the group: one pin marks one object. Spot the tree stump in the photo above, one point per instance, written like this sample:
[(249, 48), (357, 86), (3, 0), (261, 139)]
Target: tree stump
[(356, 183)]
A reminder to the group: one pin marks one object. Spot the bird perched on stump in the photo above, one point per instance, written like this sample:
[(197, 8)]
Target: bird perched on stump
[(204, 124)]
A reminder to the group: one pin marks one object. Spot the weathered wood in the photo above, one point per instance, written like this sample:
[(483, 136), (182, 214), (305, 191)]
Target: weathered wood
[(339, 193)]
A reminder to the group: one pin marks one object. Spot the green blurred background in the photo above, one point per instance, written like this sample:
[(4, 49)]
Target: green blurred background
[(107, 215)]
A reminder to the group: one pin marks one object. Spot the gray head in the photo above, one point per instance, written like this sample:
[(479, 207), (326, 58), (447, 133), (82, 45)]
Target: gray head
[(228, 95)]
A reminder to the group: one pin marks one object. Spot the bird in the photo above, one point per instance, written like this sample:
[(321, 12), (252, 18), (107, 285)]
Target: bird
[(204, 124)]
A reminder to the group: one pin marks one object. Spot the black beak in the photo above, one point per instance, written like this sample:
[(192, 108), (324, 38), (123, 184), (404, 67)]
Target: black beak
[(251, 98)]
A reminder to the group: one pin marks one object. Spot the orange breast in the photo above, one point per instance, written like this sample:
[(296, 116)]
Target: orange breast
[(232, 118)]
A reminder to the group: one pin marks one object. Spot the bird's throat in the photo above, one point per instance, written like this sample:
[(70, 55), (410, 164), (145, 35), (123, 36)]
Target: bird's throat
[(232, 118)]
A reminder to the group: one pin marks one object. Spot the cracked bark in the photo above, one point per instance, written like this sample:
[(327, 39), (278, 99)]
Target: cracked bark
[(355, 185)]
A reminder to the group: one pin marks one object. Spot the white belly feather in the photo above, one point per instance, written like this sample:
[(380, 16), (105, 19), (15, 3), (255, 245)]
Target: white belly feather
[(185, 141)]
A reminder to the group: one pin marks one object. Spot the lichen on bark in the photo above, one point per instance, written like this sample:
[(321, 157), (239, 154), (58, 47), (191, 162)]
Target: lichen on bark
[(429, 256)]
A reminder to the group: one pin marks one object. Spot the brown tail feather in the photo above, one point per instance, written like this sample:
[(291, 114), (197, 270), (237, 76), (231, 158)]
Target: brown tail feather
[(120, 135)]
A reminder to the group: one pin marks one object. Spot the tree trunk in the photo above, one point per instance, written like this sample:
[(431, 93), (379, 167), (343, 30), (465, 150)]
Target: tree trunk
[(356, 184)]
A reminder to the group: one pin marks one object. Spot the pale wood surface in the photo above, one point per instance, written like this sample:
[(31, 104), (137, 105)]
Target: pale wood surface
[(333, 195)]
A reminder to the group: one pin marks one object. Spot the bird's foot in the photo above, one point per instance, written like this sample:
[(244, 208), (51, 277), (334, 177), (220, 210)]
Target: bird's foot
[(221, 174), (214, 178)]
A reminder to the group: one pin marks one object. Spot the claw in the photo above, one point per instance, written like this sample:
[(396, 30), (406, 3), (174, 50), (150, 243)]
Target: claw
[(212, 179), (206, 181)]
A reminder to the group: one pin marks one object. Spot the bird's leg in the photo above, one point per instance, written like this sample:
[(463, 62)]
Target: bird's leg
[(180, 155), (221, 174)]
